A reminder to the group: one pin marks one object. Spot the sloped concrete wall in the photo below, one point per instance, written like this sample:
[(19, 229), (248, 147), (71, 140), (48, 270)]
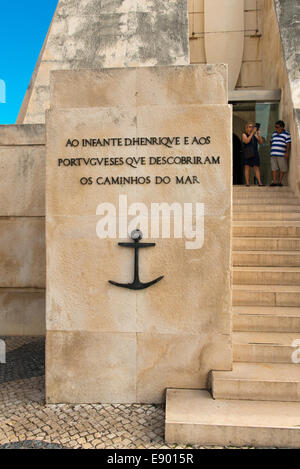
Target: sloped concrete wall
[(93, 34), (288, 17), (281, 43)]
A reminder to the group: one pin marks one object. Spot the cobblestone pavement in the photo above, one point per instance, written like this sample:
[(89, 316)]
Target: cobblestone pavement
[(26, 422)]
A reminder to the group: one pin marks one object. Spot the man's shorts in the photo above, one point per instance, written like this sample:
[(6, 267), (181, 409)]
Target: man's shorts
[(279, 163)]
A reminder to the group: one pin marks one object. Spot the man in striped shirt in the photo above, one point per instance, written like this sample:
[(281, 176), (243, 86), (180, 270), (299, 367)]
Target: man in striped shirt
[(280, 151)]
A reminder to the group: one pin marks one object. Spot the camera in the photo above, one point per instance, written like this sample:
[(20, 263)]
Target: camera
[(257, 125)]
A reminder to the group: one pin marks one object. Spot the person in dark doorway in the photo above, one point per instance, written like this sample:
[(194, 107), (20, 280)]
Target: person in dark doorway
[(280, 151), (251, 138)]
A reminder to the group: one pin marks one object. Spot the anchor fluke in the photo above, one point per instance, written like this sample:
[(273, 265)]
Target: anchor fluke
[(136, 286)]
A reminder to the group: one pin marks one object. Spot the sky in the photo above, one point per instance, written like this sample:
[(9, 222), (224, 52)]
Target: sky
[(23, 28)]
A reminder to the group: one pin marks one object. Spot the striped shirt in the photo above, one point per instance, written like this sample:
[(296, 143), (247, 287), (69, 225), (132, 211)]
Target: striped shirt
[(279, 143)]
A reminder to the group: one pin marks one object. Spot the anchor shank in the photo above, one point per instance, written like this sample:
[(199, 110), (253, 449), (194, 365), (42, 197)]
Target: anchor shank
[(136, 265)]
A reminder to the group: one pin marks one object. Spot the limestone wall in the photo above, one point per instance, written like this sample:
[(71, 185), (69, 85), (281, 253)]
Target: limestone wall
[(111, 344), (22, 230), (280, 70)]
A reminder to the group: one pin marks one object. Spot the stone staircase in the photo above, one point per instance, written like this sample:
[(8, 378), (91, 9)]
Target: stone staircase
[(258, 402)]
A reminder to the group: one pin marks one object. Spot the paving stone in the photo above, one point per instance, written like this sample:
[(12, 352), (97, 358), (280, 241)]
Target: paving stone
[(26, 422)]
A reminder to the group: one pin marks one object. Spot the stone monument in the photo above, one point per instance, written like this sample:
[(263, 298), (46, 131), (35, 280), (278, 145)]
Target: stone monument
[(132, 149)]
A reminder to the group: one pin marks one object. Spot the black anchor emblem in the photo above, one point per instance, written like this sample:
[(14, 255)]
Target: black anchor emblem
[(136, 236)]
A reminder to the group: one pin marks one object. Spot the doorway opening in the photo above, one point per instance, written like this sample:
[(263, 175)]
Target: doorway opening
[(266, 113)]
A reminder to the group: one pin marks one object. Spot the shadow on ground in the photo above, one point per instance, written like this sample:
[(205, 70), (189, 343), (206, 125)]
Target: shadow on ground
[(23, 360), (31, 444)]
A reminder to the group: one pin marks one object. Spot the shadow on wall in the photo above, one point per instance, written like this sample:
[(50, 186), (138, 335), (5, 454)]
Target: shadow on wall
[(237, 161)]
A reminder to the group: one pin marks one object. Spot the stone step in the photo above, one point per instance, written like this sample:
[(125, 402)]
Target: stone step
[(258, 382), (265, 216), (265, 347), (266, 319), (262, 200), (266, 275), (266, 258), (193, 417), (255, 190), (278, 208), (257, 195), (265, 244), (266, 295), (276, 229)]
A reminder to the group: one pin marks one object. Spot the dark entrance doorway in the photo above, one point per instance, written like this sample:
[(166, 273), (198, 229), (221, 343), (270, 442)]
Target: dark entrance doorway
[(237, 172), (251, 111)]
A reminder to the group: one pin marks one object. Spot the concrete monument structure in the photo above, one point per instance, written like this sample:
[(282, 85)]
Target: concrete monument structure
[(120, 73), (110, 344)]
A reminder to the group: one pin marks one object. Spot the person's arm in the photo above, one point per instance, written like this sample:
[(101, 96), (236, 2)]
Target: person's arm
[(288, 150), (248, 139), (259, 137)]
